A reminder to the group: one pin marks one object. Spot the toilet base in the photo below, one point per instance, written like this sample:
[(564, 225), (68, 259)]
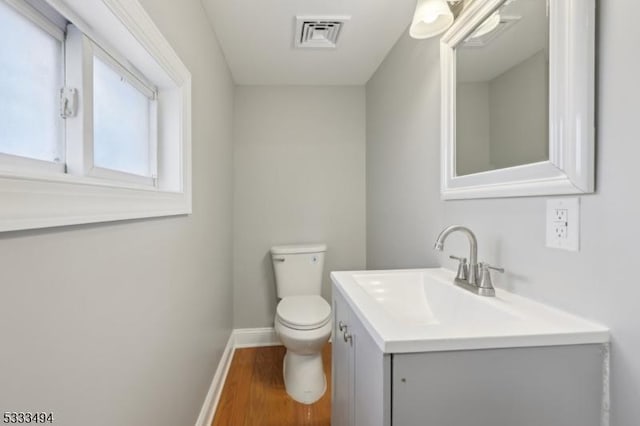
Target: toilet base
[(304, 377)]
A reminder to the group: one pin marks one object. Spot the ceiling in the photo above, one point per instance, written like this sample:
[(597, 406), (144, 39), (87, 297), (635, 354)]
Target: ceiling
[(257, 37)]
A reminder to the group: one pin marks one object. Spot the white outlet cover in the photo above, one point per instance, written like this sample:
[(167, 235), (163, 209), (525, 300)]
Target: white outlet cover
[(571, 241)]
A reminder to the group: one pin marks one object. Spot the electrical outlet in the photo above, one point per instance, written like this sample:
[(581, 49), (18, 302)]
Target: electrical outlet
[(561, 215), (563, 223), (560, 223), (560, 230)]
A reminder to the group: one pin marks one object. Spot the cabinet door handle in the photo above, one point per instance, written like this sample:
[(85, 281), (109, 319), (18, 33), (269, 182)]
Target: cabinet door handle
[(342, 326), (348, 338)]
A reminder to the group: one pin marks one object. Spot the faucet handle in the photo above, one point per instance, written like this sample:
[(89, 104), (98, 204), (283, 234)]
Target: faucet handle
[(495, 268), (486, 285), (463, 268)]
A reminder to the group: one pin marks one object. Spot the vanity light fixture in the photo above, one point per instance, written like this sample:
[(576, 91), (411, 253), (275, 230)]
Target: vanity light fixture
[(431, 17)]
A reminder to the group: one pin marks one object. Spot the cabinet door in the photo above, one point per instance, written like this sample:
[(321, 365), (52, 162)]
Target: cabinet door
[(341, 366), (372, 379), (539, 386)]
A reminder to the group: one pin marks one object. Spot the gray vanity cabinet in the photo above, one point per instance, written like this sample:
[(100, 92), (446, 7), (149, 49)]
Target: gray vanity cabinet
[(539, 386), (529, 386), (361, 373)]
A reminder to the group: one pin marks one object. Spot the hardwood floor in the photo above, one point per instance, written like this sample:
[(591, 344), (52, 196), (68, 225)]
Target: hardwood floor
[(254, 394)]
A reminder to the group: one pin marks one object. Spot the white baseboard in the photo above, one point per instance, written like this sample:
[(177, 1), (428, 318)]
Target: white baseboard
[(239, 338), (255, 337), (215, 390)]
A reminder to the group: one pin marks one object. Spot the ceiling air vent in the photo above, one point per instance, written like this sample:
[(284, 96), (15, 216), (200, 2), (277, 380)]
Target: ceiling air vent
[(502, 24), (318, 32)]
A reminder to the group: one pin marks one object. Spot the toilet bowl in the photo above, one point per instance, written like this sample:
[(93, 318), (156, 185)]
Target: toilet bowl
[(303, 319), (303, 324)]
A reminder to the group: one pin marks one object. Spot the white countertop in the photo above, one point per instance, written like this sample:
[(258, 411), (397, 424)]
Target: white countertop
[(421, 310)]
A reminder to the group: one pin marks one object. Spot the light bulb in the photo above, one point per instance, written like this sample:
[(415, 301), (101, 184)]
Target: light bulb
[(430, 18)]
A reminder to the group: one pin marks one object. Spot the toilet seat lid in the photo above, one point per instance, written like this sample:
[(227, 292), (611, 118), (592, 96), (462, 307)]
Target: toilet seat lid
[(303, 312)]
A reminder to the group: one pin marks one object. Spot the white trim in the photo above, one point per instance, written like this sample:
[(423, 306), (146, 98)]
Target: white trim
[(135, 18), (570, 169), (217, 384), (255, 337), (239, 338)]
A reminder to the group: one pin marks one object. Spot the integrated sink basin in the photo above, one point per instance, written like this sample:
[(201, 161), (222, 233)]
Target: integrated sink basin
[(414, 297), (421, 310)]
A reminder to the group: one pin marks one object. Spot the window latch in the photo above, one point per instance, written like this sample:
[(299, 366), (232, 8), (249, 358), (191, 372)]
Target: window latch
[(68, 102)]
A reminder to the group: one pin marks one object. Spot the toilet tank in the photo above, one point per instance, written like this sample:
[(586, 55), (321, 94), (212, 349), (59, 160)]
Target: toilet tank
[(298, 269)]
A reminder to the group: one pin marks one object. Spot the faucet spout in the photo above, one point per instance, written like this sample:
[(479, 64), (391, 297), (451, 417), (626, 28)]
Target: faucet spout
[(473, 248)]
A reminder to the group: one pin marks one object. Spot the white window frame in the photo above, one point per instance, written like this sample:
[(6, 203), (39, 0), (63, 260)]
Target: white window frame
[(37, 198)]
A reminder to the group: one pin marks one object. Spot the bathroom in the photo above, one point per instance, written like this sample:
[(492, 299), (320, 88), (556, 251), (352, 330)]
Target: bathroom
[(126, 322)]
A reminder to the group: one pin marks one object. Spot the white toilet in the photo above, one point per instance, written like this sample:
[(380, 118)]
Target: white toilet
[(303, 318)]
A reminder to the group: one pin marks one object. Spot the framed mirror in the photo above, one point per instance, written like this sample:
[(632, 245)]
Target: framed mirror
[(518, 99)]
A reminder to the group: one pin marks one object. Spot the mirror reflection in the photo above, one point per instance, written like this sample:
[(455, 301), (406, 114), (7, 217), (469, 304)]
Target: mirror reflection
[(502, 89)]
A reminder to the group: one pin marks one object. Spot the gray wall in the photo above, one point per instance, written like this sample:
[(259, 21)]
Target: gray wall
[(403, 163), (405, 213), (299, 157), (518, 103), (124, 323), (473, 128), (490, 113)]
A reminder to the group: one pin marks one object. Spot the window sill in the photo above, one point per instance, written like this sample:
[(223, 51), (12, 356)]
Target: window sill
[(33, 202)]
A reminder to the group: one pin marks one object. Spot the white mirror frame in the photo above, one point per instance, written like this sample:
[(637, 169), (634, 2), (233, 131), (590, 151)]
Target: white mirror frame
[(570, 169)]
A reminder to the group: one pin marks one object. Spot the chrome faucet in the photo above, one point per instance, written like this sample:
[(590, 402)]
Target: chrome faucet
[(474, 277)]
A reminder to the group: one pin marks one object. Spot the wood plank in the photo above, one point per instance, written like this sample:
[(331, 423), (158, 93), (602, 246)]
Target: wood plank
[(254, 394), (234, 395)]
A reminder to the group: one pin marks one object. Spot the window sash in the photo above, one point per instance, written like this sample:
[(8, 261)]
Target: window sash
[(132, 77), (11, 163), (147, 89), (80, 52), (151, 130)]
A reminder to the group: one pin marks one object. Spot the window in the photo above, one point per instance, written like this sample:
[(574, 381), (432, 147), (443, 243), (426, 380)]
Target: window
[(94, 115), (31, 74), (122, 113), (123, 121)]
